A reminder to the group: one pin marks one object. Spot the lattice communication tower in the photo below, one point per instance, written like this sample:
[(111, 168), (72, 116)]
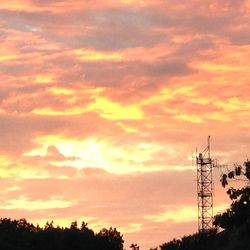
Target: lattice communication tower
[(205, 189)]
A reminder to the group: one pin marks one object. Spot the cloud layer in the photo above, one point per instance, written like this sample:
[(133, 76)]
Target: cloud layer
[(101, 105)]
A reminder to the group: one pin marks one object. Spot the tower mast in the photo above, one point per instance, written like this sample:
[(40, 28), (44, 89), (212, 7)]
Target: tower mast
[(205, 189)]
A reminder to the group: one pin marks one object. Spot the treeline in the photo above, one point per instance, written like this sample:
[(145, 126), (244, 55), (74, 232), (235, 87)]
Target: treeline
[(235, 239), (22, 235)]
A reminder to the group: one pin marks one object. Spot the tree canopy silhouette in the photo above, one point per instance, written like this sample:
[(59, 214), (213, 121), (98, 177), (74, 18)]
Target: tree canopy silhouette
[(22, 235), (239, 212)]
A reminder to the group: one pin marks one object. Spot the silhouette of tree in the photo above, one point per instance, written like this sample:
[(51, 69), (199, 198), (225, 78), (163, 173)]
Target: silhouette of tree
[(73, 226), (110, 239), (21, 235), (134, 247), (239, 211), (171, 245), (239, 171), (198, 241)]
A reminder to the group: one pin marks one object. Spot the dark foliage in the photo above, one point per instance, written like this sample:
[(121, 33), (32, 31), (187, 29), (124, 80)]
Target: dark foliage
[(238, 214), (239, 211), (239, 171), (134, 247), (199, 241), (21, 235)]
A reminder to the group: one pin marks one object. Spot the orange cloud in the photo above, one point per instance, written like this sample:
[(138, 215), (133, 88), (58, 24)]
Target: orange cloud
[(16, 5), (90, 55)]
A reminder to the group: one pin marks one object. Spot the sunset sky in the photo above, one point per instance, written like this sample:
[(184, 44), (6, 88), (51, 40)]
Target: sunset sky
[(103, 102)]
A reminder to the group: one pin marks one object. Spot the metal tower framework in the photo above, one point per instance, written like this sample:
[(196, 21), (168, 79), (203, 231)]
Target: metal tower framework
[(205, 189)]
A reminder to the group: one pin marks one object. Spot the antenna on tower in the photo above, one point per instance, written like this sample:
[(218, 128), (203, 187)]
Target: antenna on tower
[(205, 189)]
